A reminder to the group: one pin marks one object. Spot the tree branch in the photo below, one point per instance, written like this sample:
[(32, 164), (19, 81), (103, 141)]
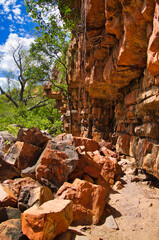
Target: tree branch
[(37, 105), (61, 61), (63, 90), (9, 97)]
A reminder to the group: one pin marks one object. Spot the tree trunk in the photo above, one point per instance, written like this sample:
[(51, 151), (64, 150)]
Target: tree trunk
[(69, 102)]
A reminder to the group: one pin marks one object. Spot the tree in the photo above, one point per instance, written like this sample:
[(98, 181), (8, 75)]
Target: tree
[(29, 75), (53, 35)]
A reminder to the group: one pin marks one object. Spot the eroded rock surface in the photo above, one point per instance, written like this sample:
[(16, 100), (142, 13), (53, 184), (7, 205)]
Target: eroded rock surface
[(114, 75), (28, 192), (88, 200), (57, 161), (48, 220), (11, 230), (23, 155)]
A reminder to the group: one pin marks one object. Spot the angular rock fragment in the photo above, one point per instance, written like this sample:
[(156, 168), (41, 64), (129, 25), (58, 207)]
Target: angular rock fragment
[(28, 192), (29, 196), (8, 171), (107, 152), (23, 155), (123, 144), (102, 169), (67, 147), (52, 167), (111, 223), (48, 220), (11, 230), (57, 161), (89, 144), (6, 140), (103, 143), (7, 213), (7, 198), (32, 136), (88, 200)]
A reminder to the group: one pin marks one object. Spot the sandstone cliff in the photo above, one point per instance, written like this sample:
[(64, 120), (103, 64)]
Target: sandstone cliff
[(114, 76)]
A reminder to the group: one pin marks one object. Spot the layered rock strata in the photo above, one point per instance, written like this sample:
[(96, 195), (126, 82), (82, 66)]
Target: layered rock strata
[(114, 76)]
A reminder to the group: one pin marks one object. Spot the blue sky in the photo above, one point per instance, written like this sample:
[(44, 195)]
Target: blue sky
[(15, 25), (14, 19)]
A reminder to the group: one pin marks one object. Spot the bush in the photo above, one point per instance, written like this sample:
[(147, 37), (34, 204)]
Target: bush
[(44, 118)]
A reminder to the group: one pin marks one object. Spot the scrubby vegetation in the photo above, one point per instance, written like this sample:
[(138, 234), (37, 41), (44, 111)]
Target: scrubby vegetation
[(45, 118), (25, 104)]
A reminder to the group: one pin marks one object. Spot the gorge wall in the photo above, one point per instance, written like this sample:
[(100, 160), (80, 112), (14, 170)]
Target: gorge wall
[(114, 77)]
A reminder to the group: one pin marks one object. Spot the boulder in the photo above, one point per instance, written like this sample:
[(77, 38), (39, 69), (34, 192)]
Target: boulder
[(32, 136), (48, 220), (57, 161), (8, 171), (123, 144), (7, 213), (89, 144), (7, 198), (107, 152), (6, 136), (103, 143), (52, 167), (102, 169), (64, 236), (66, 146), (151, 161), (63, 137), (86, 165), (88, 200), (28, 192), (29, 196), (111, 170), (17, 184), (146, 155), (6, 140), (23, 155), (11, 230)]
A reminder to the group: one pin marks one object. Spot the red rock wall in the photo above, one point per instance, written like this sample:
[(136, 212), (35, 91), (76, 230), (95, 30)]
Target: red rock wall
[(114, 76)]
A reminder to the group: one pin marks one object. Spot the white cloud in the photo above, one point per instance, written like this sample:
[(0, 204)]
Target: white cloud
[(10, 17), (7, 64), (4, 84), (16, 10), (19, 19), (22, 30), (52, 10), (10, 5), (12, 28), (2, 12)]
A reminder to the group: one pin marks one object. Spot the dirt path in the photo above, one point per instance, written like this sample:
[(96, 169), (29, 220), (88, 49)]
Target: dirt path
[(136, 211)]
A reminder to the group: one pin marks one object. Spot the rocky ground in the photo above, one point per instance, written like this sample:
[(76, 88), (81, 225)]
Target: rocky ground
[(134, 208), (72, 188)]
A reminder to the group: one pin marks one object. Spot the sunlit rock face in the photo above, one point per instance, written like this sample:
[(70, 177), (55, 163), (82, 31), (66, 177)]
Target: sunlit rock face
[(113, 74), (116, 46)]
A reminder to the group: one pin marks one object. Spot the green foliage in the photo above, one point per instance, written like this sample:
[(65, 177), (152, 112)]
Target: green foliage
[(53, 34), (38, 9), (46, 53), (39, 117), (12, 130)]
